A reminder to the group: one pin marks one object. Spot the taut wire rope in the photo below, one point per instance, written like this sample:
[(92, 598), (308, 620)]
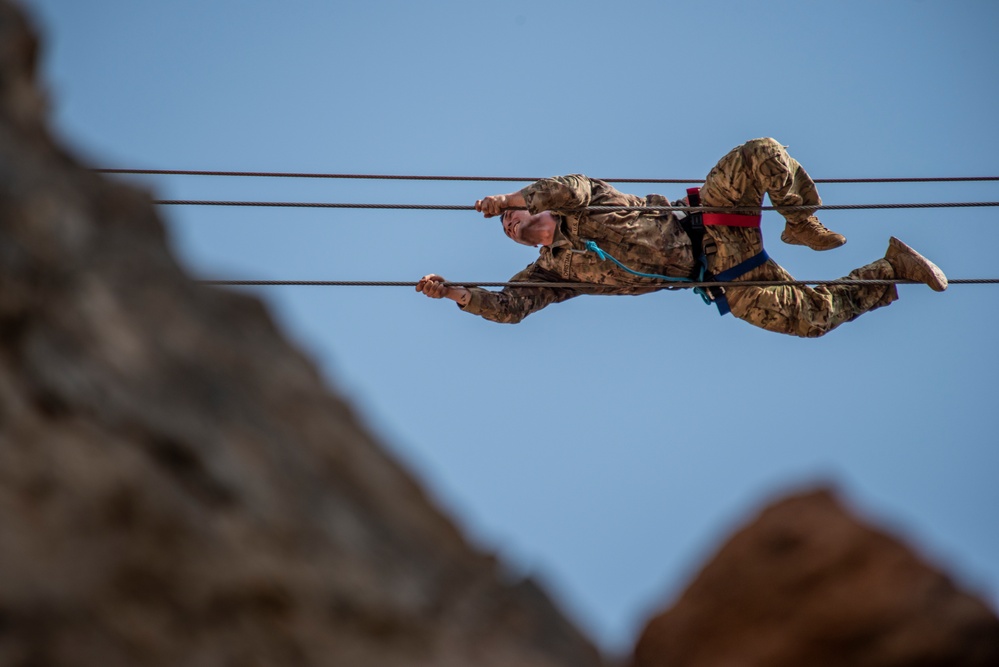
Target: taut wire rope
[(398, 177), (644, 209), (584, 286)]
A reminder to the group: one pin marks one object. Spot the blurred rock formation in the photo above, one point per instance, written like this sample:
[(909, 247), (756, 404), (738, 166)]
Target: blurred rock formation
[(807, 584), (177, 485)]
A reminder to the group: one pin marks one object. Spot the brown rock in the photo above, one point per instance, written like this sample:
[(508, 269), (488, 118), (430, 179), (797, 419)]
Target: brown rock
[(177, 485), (807, 584)]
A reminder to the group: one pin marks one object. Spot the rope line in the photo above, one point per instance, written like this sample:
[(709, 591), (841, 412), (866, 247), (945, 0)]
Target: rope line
[(397, 177), (644, 209), (740, 283)]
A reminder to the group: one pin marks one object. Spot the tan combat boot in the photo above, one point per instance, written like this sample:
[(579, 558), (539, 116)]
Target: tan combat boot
[(811, 233), (910, 265)]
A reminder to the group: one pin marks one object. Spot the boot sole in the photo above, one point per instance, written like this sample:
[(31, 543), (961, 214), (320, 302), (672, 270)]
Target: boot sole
[(937, 281), (792, 241)]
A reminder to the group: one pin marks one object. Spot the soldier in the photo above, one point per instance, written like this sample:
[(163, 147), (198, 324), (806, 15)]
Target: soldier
[(632, 252)]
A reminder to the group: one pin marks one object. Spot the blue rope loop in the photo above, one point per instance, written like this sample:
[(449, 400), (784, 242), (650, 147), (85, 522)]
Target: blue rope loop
[(593, 247), (701, 291), (725, 276)]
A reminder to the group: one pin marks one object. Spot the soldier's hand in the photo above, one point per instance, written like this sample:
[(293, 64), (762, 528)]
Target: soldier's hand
[(433, 286), (492, 206)]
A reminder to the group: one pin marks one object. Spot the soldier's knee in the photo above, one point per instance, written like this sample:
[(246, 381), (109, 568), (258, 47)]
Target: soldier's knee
[(764, 146)]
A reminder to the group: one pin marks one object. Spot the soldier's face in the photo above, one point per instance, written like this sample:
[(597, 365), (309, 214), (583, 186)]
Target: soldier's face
[(522, 227)]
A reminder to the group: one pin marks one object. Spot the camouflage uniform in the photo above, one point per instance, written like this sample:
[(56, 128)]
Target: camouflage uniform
[(740, 179), (656, 243)]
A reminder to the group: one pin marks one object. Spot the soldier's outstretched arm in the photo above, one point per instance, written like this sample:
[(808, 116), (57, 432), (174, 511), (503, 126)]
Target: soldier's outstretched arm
[(509, 306), (559, 193), (512, 304)]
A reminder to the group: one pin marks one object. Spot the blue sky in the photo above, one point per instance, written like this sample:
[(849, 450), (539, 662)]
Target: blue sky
[(605, 445)]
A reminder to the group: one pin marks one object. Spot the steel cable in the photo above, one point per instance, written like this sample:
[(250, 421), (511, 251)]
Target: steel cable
[(644, 209), (584, 286), (397, 177)]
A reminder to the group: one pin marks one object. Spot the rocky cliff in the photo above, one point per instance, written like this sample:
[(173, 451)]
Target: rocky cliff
[(177, 485), (808, 583)]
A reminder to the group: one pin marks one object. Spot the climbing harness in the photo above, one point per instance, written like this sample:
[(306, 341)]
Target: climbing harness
[(693, 225)]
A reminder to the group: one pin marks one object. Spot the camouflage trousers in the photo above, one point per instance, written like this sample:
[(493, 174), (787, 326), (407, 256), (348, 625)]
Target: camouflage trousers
[(741, 178)]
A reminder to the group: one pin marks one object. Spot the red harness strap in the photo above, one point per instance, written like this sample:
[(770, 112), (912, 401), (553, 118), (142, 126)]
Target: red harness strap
[(731, 219), (723, 219)]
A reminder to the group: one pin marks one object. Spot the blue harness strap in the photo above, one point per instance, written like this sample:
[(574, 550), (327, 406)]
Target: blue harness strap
[(715, 295), (729, 275), (743, 267)]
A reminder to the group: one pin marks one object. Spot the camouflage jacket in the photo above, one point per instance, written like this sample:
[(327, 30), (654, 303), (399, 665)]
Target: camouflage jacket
[(644, 242)]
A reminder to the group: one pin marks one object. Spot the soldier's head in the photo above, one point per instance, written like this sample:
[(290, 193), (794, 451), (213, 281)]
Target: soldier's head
[(527, 228)]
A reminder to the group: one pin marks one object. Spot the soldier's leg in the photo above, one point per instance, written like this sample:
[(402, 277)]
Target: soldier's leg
[(795, 310), (805, 311), (763, 166)]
